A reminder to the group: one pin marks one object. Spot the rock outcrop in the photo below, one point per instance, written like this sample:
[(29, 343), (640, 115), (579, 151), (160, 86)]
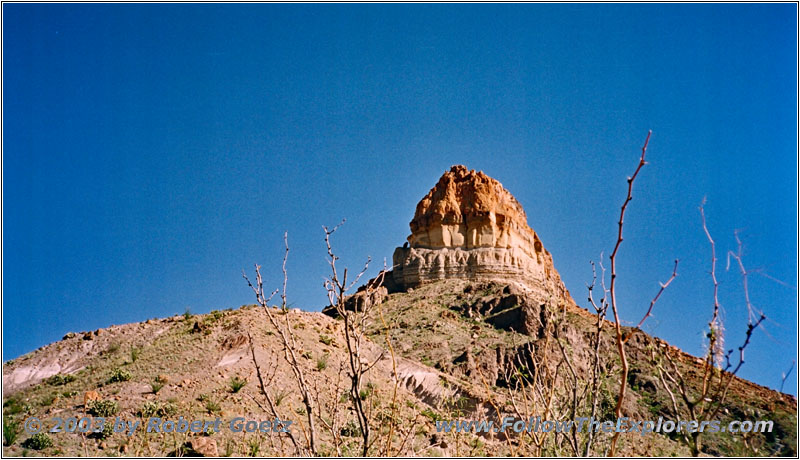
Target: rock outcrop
[(470, 227)]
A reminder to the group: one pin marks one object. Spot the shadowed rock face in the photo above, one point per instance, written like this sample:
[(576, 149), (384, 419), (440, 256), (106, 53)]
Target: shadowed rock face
[(470, 227)]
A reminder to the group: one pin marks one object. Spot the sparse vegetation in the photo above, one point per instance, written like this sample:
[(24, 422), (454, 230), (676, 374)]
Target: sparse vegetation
[(113, 348), (351, 430), (10, 431), (102, 408), (49, 399), (39, 441), (212, 407), (253, 447), (280, 396), (322, 362), (157, 409), (156, 386), (60, 379), (135, 354), (13, 406), (435, 417), (105, 433), (331, 394), (237, 384), (119, 375)]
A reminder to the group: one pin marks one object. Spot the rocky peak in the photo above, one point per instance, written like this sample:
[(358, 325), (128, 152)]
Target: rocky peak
[(468, 209), (469, 226)]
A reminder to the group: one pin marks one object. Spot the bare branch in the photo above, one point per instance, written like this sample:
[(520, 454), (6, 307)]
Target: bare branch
[(786, 374), (287, 336), (751, 312), (356, 321), (263, 387), (655, 299), (717, 379), (613, 293)]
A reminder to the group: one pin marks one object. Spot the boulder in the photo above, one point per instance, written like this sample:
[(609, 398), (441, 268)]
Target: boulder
[(204, 446)]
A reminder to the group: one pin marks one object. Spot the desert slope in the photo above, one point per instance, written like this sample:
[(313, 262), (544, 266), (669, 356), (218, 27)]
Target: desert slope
[(449, 366)]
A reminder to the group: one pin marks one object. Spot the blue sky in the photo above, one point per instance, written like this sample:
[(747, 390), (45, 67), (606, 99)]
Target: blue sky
[(151, 152)]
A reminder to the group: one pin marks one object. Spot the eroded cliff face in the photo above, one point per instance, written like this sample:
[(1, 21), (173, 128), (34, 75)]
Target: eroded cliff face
[(470, 227)]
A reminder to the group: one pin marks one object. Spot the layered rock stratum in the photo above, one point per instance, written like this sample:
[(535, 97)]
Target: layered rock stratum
[(469, 226)]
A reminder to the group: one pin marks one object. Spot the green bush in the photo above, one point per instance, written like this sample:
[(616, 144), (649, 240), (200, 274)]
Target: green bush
[(149, 409), (13, 406), (119, 375), (365, 393), (106, 432), (350, 430), (60, 379), (157, 409), (169, 409), (237, 384), (49, 399), (254, 446), (156, 386), (102, 408), (432, 415), (38, 441), (280, 396), (322, 362), (212, 406), (10, 432)]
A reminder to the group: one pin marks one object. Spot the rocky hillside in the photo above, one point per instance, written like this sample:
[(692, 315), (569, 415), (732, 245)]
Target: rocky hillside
[(472, 323), (450, 365), (484, 335), (189, 366)]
